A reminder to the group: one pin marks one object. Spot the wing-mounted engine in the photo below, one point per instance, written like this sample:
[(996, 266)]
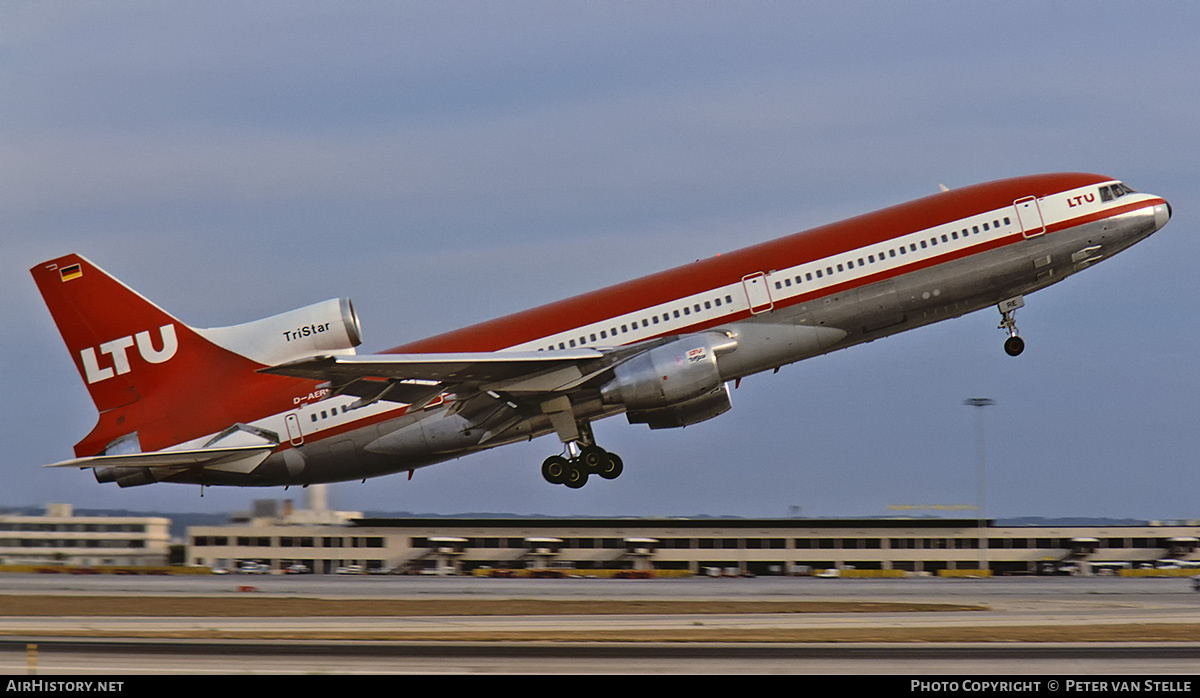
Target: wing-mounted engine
[(328, 327), (675, 384), (686, 413)]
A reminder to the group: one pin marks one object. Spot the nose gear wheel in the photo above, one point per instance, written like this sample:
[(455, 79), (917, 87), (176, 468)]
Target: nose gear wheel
[(1014, 345)]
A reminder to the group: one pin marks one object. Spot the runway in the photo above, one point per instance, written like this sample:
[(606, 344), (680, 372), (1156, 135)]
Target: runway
[(195, 658), (1088, 622)]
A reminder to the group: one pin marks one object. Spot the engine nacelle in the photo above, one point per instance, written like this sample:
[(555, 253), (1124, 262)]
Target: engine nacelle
[(125, 477), (691, 412), (328, 327), (669, 375)]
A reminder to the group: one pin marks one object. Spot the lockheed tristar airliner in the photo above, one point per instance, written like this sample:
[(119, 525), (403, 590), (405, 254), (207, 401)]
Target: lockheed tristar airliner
[(287, 400)]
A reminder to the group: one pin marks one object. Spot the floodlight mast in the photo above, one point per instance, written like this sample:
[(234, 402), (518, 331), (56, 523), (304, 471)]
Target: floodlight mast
[(981, 475)]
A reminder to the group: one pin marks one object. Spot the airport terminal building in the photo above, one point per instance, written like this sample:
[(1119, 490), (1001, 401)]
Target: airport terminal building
[(697, 546), (60, 538)]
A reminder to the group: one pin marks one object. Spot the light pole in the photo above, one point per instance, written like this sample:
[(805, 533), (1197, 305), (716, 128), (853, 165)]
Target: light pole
[(981, 477)]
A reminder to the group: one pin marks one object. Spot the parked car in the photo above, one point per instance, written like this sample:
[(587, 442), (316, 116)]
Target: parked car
[(251, 567)]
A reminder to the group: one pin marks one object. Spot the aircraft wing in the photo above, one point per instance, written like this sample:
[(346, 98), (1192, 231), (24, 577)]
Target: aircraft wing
[(412, 377), (231, 458)]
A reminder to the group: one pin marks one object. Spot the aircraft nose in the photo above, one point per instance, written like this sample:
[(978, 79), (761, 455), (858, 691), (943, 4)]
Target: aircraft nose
[(1162, 214)]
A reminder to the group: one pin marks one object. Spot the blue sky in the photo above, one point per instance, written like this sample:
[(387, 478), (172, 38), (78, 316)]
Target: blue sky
[(444, 163)]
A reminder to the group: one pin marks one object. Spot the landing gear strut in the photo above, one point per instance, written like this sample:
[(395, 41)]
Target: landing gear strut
[(1014, 345)]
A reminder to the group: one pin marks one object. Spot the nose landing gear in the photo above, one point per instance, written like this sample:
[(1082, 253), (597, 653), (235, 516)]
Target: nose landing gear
[(1014, 345)]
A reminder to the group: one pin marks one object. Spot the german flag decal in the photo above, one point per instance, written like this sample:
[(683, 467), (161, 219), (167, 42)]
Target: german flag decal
[(71, 272)]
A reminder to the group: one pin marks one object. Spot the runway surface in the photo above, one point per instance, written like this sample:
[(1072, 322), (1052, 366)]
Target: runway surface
[(979, 660), (1089, 608)]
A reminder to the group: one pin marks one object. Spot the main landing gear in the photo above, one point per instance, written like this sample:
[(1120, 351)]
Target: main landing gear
[(574, 470), (1014, 345), (582, 457)]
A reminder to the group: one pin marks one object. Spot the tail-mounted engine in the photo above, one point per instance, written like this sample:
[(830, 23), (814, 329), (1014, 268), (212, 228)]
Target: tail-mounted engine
[(674, 384), (328, 327)]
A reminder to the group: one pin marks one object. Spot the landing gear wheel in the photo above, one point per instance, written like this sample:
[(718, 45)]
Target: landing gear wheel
[(611, 467), (1014, 345), (576, 476), (554, 470), (591, 458)]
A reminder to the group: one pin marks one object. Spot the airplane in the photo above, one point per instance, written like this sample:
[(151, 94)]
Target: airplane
[(287, 400)]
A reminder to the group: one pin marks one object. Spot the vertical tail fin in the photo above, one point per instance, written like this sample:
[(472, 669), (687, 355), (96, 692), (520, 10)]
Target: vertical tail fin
[(151, 376), (117, 339)]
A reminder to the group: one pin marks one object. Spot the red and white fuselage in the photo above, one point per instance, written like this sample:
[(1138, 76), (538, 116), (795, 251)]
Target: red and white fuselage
[(286, 400)]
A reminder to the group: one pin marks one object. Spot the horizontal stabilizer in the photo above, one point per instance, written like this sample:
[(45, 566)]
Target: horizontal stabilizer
[(234, 458)]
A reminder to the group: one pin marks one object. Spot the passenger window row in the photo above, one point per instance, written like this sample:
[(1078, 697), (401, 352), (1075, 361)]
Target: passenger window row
[(332, 412), (645, 322), (876, 256), (892, 253)]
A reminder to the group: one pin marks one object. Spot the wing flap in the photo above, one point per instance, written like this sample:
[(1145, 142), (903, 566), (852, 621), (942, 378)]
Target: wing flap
[(364, 374), (476, 367)]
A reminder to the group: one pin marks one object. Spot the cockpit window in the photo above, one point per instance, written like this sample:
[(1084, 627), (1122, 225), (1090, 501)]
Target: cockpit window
[(1114, 191)]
